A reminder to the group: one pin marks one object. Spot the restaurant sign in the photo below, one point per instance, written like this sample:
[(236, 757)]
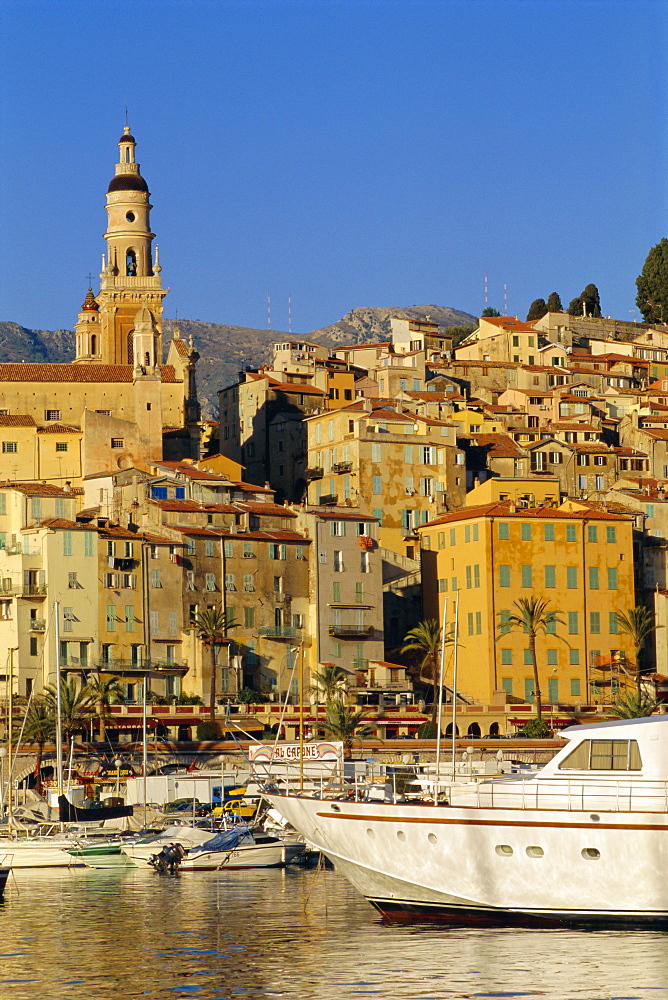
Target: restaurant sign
[(318, 750)]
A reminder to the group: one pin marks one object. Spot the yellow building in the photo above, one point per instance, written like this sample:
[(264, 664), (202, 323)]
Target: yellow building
[(579, 561)]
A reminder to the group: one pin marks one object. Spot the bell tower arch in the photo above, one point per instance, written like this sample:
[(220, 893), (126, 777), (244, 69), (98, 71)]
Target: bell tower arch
[(131, 272)]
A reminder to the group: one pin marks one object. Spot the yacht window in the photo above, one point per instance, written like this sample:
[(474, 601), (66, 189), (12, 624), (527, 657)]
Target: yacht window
[(535, 852), (604, 755), (505, 850), (432, 838), (590, 853)]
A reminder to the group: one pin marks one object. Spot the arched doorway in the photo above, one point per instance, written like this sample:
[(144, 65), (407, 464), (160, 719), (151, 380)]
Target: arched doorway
[(474, 730), (494, 729), (448, 731)]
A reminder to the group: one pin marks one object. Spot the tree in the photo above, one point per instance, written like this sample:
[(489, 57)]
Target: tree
[(346, 724), (425, 639), (332, 681), (488, 311), (588, 303), (537, 309), (554, 303), (652, 285), (212, 626), (77, 706), (531, 617), (105, 693), (39, 728), (638, 624), (635, 705), (458, 333)]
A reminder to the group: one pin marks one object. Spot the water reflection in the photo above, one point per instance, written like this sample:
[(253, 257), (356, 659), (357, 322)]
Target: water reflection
[(287, 933)]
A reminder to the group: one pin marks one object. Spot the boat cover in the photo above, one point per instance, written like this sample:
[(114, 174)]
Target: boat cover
[(226, 840)]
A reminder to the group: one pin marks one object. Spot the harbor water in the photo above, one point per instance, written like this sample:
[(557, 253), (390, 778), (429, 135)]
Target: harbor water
[(292, 933)]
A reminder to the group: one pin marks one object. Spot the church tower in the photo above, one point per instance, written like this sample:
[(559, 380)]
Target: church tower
[(131, 289)]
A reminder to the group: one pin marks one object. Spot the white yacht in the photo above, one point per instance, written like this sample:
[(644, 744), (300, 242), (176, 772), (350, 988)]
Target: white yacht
[(584, 839)]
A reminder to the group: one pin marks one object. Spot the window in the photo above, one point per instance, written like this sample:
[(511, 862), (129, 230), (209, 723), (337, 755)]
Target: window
[(527, 576), (191, 547), (504, 627), (528, 689), (33, 645), (336, 592), (337, 527), (428, 457), (67, 543), (72, 582), (478, 623), (375, 452), (552, 657), (249, 617), (526, 532), (612, 578), (572, 577), (9, 447), (52, 415), (408, 454), (299, 553), (548, 532), (61, 445), (208, 547), (507, 683), (173, 625), (117, 443), (338, 561), (593, 577), (553, 688), (249, 583), (592, 533), (573, 622), (210, 581), (155, 579), (111, 619), (470, 622), (574, 657), (507, 657), (570, 533), (604, 755), (469, 581), (377, 485), (550, 576), (129, 618), (575, 687), (154, 619), (278, 585), (610, 534), (504, 530), (365, 565), (476, 575), (504, 576), (613, 623)]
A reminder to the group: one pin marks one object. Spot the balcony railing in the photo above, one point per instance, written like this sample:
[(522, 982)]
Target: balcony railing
[(124, 666), (315, 473), (31, 590), (359, 664), (37, 624), (352, 631), (282, 632), (342, 467), (328, 498)]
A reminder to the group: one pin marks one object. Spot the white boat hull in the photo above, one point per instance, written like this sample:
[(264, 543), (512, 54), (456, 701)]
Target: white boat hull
[(274, 855), (40, 853), (475, 864)]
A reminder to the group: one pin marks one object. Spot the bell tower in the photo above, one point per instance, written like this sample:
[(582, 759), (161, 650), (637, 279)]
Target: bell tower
[(130, 281)]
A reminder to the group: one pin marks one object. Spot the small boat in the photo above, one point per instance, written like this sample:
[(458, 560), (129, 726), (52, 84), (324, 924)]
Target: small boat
[(140, 850), (238, 847), (582, 841), (41, 852), (105, 854)]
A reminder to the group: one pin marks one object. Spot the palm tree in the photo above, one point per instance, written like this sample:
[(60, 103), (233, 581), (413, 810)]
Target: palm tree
[(425, 639), (106, 693), (346, 724), (212, 626), (635, 705), (638, 624), (331, 681), (77, 706), (39, 727), (531, 618)]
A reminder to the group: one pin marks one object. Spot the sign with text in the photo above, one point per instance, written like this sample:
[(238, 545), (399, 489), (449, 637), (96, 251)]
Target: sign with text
[(282, 753)]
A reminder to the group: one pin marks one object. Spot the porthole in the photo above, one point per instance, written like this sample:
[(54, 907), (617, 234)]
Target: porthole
[(594, 817), (335, 808), (130, 217), (432, 838), (505, 850), (370, 833), (590, 853), (535, 852), (401, 835)]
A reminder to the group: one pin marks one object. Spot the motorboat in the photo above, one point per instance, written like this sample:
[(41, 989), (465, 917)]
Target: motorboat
[(238, 847), (41, 852), (140, 850), (584, 840)]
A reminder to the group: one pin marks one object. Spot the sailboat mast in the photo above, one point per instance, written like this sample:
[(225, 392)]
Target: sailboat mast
[(440, 698), (59, 706), (454, 687)]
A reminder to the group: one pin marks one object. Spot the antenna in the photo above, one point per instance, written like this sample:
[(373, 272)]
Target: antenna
[(505, 300), (126, 113), (90, 281), (268, 311), (485, 283), (289, 314)]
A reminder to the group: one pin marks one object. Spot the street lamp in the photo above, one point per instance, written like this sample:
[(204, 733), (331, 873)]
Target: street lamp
[(118, 763)]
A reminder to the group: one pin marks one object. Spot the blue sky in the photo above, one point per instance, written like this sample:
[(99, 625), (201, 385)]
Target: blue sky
[(342, 153)]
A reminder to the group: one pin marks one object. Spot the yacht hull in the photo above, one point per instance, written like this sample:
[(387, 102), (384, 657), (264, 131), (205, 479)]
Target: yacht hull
[(477, 865)]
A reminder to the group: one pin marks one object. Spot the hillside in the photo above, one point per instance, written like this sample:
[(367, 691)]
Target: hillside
[(225, 349)]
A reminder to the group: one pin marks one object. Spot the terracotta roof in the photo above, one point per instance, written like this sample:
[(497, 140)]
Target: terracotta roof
[(12, 372), (499, 445), (182, 348), (177, 505), (265, 535), (258, 507), (511, 322), (17, 420), (363, 347), (632, 452), (59, 429), (522, 513), (298, 387), (41, 489), (339, 514), (61, 523)]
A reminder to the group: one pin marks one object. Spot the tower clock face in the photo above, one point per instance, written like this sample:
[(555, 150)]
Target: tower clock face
[(130, 217)]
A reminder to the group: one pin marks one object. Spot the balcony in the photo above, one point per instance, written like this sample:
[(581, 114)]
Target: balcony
[(338, 467), (37, 624), (315, 473), (282, 633), (359, 664), (129, 667), (31, 590), (328, 498), (352, 631)]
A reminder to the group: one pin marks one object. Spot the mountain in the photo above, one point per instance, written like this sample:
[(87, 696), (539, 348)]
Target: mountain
[(224, 349)]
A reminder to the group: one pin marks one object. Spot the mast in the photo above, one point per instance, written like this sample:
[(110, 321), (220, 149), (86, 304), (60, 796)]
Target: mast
[(59, 706), (454, 688), (440, 698)]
